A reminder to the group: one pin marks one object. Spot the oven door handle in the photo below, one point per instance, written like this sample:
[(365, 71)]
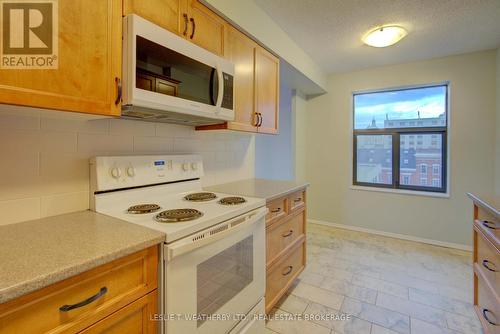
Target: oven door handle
[(213, 233)]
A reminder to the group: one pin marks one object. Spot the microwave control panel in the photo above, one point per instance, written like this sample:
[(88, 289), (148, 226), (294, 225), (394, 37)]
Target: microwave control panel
[(227, 98)]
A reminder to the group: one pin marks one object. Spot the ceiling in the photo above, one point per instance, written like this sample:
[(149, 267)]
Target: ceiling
[(330, 31)]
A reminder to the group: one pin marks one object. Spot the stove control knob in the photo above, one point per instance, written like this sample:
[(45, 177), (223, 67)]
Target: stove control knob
[(185, 166), (131, 171), (194, 166), (116, 172)]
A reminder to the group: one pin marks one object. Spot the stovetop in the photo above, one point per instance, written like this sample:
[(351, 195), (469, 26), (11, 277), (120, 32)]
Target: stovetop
[(170, 197)]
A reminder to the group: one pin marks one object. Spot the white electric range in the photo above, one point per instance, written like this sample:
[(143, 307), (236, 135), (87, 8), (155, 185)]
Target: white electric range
[(212, 275)]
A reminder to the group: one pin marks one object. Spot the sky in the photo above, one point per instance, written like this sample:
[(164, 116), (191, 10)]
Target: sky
[(400, 104)]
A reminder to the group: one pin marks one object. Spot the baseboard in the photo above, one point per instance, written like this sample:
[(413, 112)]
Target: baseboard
[(393, 235)]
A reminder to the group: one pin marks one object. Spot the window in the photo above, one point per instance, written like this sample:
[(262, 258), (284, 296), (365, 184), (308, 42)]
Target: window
[(400, 138), (423, 169), (435, 169)]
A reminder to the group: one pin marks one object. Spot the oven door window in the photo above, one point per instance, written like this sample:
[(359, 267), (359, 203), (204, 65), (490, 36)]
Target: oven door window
[(165, 71), (222, 277)]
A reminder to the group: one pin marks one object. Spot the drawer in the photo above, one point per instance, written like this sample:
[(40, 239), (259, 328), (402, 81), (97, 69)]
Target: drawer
[(133, 318), (103, 290), (488, 261), (277, 209), (488, 308), (282, 235), (297, 200), (490, 228), (281, 276)]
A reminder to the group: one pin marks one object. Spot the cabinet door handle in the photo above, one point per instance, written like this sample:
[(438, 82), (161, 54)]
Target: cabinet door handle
[(487, 265), (276, 210), (485, 316), (489, 225), (259, 117), (66, 308), (185, 24), (298, 199), (256, 120), (194, 27), (118, 82), (289, 233), (287, 271)]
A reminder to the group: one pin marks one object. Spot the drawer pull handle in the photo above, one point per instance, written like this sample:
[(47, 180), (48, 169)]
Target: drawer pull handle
[(487, 265), (489, 225), (287, 271), (485, 311), (289, 233), (276, 210), (66, 308), (298, 199)]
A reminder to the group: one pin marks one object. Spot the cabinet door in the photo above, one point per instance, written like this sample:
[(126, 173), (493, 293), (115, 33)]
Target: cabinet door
[(133, 318), (165, 13), (267, 90), (89, 63), (240, 50), (206, 29)]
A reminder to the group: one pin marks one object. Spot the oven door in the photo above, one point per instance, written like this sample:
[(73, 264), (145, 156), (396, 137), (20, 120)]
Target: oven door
[(215, 277)]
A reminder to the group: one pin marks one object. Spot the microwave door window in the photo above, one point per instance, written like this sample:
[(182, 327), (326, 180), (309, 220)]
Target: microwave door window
[(165, 71)]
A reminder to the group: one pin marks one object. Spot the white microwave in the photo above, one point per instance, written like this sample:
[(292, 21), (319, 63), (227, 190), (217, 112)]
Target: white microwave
[(169, 79)]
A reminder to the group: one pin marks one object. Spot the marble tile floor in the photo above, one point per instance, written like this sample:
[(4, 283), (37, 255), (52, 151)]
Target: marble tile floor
[(360, 283)]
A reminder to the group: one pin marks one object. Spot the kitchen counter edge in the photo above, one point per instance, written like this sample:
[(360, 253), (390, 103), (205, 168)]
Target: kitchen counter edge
[(260, 188), (116, 239)]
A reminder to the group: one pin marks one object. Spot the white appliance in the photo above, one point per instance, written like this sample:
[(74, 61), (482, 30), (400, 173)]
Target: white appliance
[(212, 277), (169, 79)]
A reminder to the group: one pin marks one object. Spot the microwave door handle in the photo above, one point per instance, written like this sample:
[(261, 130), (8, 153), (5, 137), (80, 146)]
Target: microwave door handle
[(220, 93)]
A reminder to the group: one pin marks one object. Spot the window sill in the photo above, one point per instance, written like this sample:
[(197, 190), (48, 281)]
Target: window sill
[(402, 191)]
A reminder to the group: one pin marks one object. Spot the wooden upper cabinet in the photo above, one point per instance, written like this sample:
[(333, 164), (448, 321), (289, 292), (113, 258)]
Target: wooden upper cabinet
[(89, 63), (206, 29), (240, 50), (267, 90), (165, 13)]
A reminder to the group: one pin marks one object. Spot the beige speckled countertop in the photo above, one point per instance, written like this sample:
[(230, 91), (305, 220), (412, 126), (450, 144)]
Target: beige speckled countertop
[(261, 188), (40, 252)]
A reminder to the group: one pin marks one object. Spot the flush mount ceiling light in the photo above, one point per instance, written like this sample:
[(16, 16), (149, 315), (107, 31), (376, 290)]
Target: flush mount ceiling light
[(384, 36)]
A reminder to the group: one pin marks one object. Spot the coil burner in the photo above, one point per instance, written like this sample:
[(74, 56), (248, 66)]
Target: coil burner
[(143, 208), (234, 200), (178, 215), (200, 197)]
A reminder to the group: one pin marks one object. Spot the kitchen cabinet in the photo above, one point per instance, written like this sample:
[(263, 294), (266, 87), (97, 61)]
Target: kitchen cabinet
[(88, 75), (285, 244), (267, 90), (119, 294), (206, 29), (256, 86), (187, 18), (486, 227), (167, 14)]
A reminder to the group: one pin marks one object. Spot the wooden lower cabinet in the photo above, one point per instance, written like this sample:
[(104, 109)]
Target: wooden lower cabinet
[(285, 246), (116, 290), (486, 265), (133, 318)]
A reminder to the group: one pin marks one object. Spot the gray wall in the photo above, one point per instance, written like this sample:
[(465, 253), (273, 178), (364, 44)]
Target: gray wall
[(274, 157)]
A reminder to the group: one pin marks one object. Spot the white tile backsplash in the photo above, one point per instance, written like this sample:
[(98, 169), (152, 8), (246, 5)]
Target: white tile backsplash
[(44, 168)]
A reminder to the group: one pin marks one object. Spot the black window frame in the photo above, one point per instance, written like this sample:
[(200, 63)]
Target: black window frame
[(396, 134)]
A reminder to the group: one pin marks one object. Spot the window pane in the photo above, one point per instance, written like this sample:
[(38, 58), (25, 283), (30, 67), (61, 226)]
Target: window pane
[(421, 163), (374, 159), (408, 108)]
